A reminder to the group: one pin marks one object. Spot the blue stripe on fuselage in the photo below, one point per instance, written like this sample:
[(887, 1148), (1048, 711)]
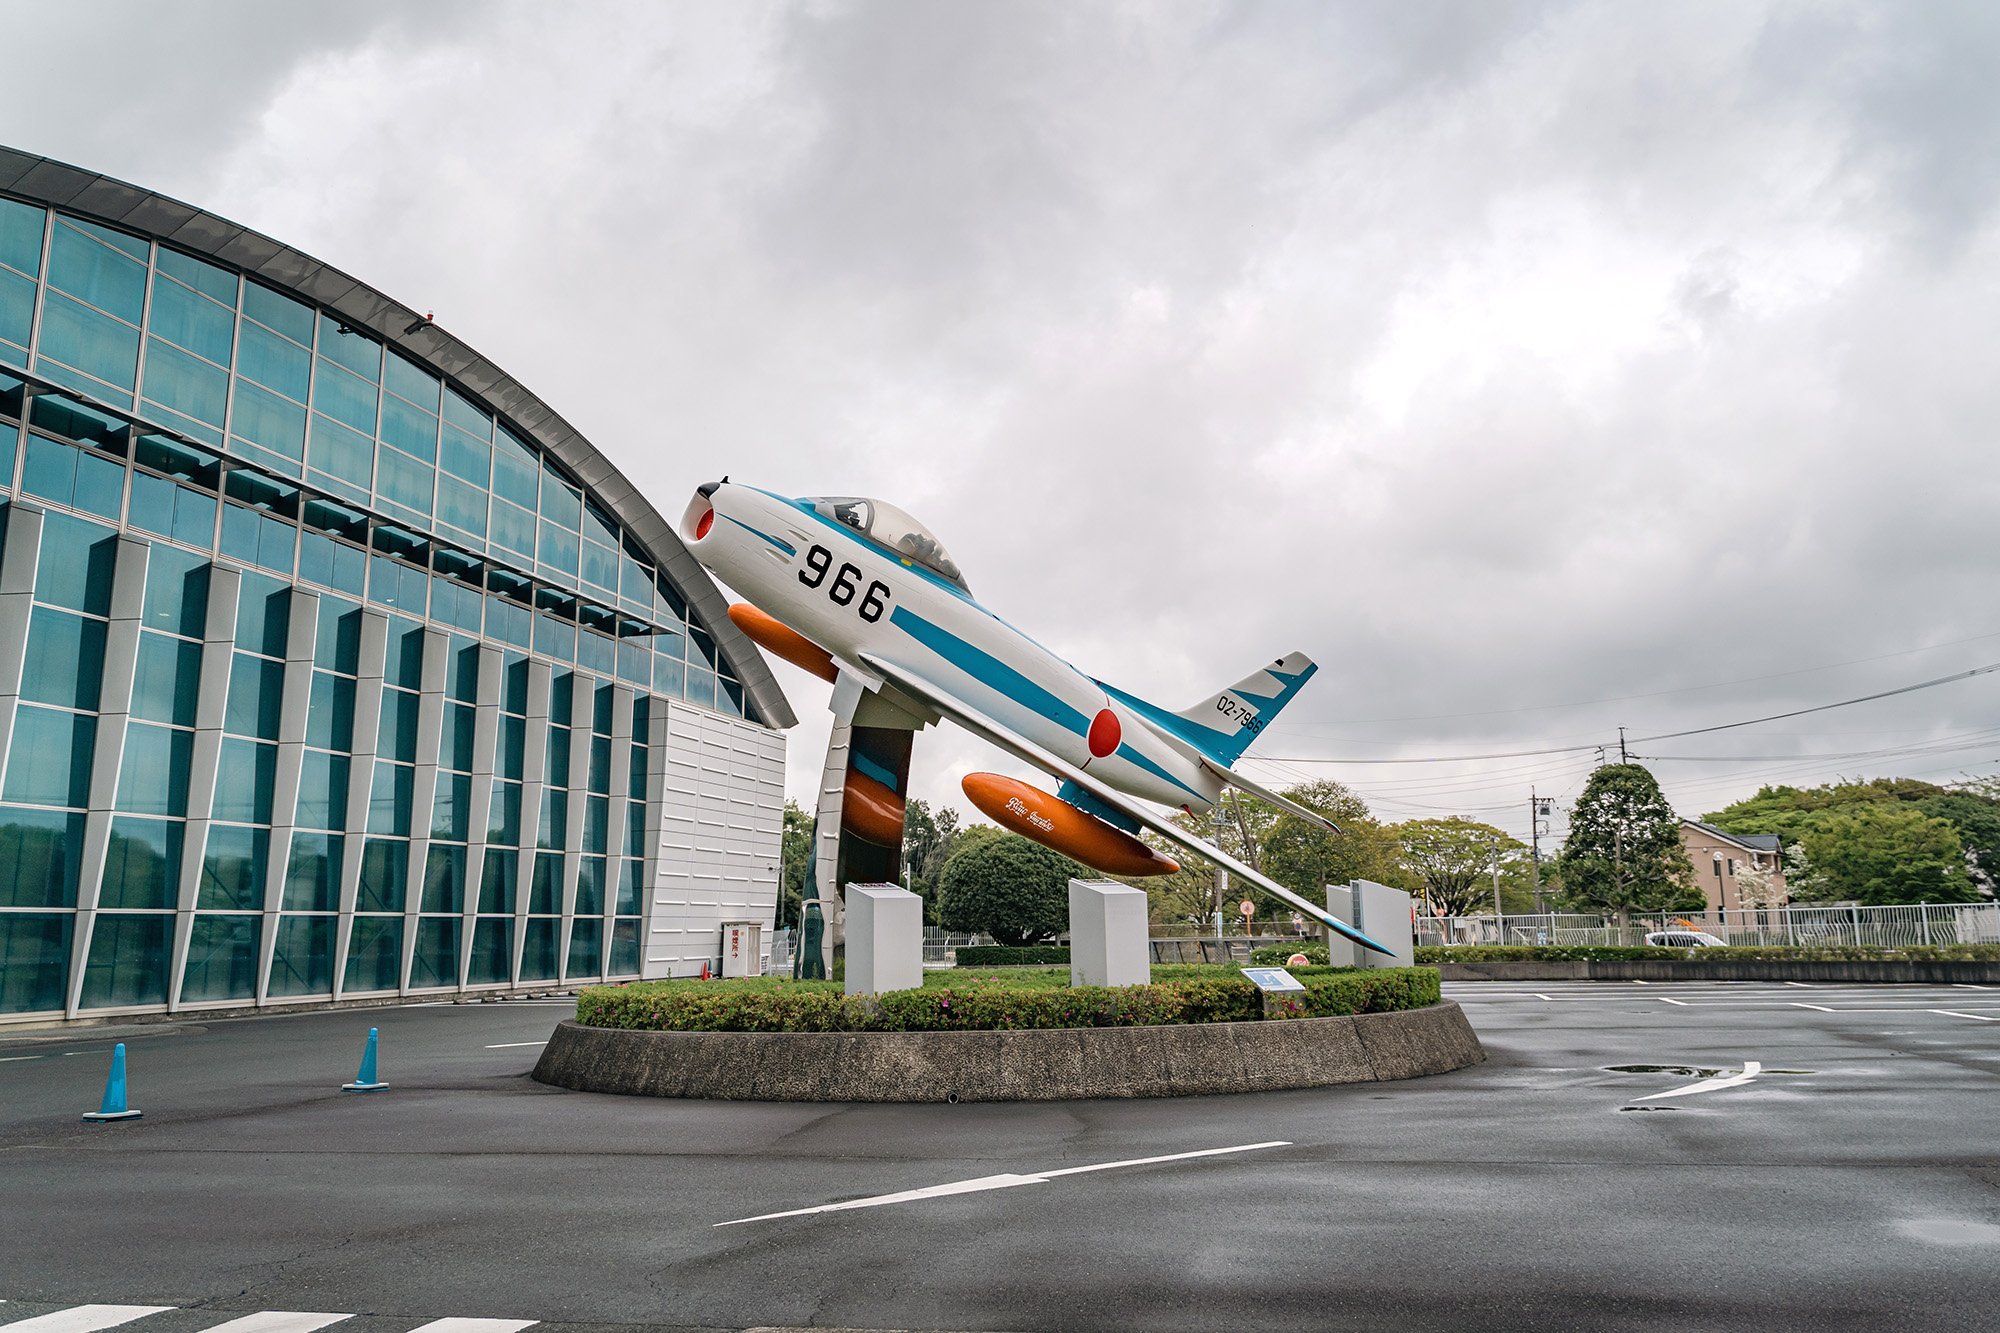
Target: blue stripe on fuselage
[(784, 546), (1004, 680)]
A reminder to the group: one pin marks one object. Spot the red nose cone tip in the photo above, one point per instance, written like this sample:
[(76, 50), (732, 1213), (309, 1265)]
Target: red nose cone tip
[(1104, 734), (704, 523)]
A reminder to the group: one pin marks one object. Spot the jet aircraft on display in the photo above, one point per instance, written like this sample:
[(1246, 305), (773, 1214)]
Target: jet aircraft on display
[(863, 596)]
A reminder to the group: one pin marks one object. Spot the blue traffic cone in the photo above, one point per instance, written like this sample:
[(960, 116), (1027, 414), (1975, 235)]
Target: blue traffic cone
[(114, 1091), (365, 1081)]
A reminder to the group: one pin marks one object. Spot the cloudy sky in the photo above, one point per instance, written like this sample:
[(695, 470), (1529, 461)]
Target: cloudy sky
[(1537, 368)]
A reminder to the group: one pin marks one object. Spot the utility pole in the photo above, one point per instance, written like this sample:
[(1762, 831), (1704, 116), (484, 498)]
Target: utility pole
[(1499, 919), (1623, 758), (1221, 875), (1535, 846)]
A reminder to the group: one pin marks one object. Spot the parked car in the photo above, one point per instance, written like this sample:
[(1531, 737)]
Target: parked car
[(1683, 939)]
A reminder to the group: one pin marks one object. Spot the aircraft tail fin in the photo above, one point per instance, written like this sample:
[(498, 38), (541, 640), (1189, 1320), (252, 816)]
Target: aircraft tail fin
[(1223, 725)]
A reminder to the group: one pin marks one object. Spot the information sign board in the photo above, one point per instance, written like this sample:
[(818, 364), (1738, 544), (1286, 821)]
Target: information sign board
[(1272, 979)]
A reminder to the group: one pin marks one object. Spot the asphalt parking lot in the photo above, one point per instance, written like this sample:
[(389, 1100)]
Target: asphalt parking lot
[(1617, 1164)]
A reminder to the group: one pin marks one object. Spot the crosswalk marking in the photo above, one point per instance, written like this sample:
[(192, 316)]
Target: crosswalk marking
[(279, 1321), (85, 1318), (474, 1326)]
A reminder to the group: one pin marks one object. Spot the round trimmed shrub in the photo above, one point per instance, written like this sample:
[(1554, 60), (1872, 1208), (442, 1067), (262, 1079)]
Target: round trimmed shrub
[(1014, 890)]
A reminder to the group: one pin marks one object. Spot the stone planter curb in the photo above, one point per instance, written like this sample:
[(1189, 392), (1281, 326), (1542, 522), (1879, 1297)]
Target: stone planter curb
[(1033, 1065)]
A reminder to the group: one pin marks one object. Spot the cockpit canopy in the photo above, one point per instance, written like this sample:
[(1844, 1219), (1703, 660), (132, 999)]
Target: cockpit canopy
[(894, 531)]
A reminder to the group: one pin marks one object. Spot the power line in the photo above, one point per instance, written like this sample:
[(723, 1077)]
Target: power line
[(1283, 729), (1661, 736)]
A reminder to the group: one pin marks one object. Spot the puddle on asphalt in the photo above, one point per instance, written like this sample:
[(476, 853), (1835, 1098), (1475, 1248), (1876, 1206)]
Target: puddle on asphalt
[(1652, 1108), (1950, 1231)]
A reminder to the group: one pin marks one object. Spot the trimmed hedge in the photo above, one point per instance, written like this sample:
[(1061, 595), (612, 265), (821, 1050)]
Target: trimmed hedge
[(1187, 995), (1274, 955), (1600, 953), (1004, 955)]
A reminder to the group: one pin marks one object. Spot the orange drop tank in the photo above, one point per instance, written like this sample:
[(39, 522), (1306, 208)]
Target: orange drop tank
[(871, 811), (1055, 823)]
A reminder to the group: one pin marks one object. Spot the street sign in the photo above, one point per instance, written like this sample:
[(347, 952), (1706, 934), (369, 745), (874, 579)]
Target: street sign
[(1247, 908), (1272, 979)]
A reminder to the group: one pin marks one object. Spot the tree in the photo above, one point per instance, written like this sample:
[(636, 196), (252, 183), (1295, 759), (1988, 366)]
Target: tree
[(1015, 890), (795, 850), (1879, 855), (929, 838), (1454, 859), (1624, 851)]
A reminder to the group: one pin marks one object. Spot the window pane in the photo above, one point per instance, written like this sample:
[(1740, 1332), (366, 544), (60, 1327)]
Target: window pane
[(492, 952), (513, 528), (558, 548), (404, 481), (49, 763), (419, 386), (128, 961), (142, 864), (17, 308), (330, 719), (466, 457), (38, 859), (256, 697), (462, 506), (353, 349), (312, 877), (384, 875), (222, 959), (375, 954), (389, 807), (274, 362), (499, 881), (461, 412), (279, 312), (396, 737), (585, 949), (450, 819), (332, 564), (630, 903), (102, 276), (545, 893), (232, 869), (345, 398), (408, 428), (166, 680), (339, 643), (176, 592), (538, 950), (190, 321), (204, 278), (444, 880), (243, 781), (184, 383), (436, 961), (268, 420), (21, 235), (624, 949), (65, 659), (154, 777), (322, 790), (34, 959), (95, 344), (263, 615), (302, 962), (590, 887)]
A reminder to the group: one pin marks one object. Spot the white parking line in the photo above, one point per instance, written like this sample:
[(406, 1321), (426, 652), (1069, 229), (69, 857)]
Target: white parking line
[(86, 1318), (278, 1321), (1751, 1069), (503, 1045), (980, 1184), (1665, 999), (1984, 1018)]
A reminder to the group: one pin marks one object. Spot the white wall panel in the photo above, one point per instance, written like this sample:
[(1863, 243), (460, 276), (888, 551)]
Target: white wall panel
[(721, 815)]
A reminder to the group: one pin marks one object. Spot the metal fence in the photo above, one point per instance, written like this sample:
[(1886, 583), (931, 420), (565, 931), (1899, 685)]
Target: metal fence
[(940, 949), (1859, 927)]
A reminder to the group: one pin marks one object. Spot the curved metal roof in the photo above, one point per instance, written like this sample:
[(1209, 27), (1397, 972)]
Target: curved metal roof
[(116, 203)]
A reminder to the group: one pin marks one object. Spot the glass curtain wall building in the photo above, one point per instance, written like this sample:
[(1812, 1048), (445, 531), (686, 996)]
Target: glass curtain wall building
[(333, 663)]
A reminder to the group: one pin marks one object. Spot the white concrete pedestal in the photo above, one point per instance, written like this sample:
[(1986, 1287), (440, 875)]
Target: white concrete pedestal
[(1107, 934), (885, 939), (1377, 911)]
